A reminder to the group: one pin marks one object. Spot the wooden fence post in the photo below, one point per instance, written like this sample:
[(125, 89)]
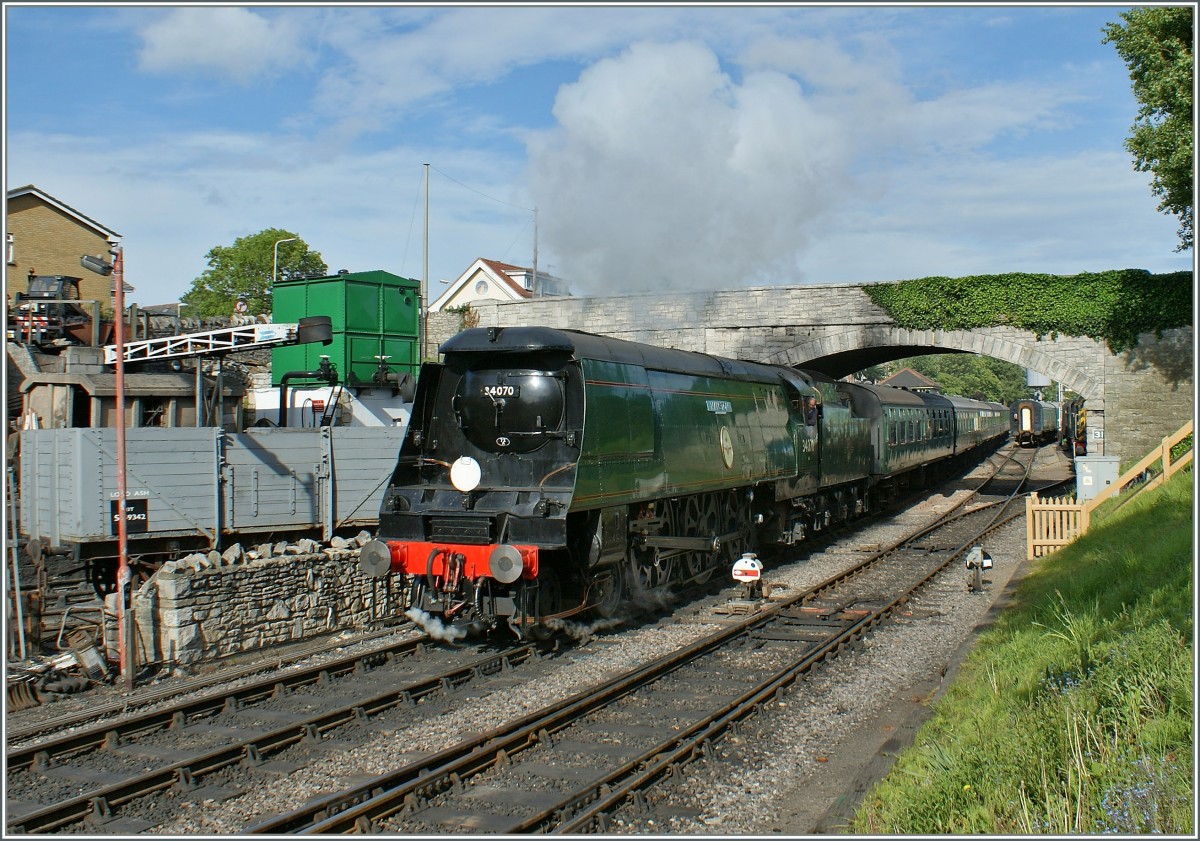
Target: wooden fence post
[(1030, 501)]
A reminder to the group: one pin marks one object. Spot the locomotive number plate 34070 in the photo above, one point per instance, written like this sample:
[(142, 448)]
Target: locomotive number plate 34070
[(501, 391)]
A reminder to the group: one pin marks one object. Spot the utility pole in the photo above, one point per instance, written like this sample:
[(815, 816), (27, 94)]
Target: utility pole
[(124, 574), (534, 288), (126, 643), (423, 304)]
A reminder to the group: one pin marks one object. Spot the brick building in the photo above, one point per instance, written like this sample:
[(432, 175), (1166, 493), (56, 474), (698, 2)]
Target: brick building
[(47, 237)]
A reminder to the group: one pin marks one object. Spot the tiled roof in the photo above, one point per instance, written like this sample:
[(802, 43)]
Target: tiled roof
[(505, 271), (30, 189), (908, 378)]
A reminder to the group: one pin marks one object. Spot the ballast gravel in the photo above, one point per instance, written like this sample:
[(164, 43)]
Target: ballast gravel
[(798, 768)]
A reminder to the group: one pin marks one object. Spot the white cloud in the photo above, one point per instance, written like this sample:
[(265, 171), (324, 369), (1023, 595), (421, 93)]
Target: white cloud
[(178, 197), (975, 215), (743, 146), (665, 173), (392, 61), (228, 42)]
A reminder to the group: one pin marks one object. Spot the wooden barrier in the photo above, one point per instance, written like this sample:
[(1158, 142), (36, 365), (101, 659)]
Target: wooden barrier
[(1161, 453), (1053, 523)]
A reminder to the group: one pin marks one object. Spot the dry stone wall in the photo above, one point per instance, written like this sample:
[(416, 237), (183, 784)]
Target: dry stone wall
[(207, 607)]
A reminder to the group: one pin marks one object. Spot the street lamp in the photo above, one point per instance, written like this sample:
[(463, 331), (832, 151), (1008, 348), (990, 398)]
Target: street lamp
[(125, 637), (275, 259)]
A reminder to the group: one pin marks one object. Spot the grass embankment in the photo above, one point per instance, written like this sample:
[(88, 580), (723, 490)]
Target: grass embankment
[(1073, 713)]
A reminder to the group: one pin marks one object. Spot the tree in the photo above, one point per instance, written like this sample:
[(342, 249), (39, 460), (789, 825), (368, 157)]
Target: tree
[(242, 271), (969, 375), (1156, 45)]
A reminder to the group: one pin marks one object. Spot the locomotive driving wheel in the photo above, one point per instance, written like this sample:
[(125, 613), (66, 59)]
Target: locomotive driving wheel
[(606, 590), (650, 569), (700, 519), (735, 516)]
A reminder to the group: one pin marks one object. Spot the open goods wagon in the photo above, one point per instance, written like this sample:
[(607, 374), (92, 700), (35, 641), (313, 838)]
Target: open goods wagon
[(188, 489)]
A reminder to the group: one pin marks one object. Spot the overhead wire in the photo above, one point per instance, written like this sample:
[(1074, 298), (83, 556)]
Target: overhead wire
[(473, 190)]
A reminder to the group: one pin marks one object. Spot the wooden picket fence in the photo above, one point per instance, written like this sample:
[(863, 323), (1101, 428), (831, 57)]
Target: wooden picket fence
[(1053, 523)]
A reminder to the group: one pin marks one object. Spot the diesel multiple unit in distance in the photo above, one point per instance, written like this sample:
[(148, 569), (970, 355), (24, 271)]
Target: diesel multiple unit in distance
[(1073, 428), (1034, 422), (548, 472)]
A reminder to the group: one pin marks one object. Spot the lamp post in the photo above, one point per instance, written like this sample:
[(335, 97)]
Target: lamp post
[(275, 258), (423, 310), (125, 630)]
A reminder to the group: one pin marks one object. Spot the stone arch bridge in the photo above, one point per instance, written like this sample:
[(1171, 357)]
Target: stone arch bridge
[(1134, 398)]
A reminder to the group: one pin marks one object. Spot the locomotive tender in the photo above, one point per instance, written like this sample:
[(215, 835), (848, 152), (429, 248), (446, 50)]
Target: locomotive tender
[(549, 472), (1034, 422)]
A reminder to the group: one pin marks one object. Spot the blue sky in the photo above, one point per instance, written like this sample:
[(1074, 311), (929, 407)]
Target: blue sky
[(664, 146)]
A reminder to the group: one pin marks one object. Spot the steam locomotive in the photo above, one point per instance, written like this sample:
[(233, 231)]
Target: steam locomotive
[(547, 473)]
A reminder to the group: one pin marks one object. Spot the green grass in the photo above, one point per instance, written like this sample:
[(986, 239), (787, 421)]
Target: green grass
[(1074, 713)]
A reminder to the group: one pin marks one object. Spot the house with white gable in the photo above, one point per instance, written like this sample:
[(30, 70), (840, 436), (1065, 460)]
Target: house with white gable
[(491, 280)]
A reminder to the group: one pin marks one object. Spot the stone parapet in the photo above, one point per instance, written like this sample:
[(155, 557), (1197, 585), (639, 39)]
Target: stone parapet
[(1133, 398)]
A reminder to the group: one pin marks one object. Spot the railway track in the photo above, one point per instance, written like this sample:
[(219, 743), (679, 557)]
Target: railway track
[(87, 775), (770, 639), (568, 767), (18, 733)]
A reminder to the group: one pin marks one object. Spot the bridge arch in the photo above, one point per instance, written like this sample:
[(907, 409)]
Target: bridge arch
[(846, 351), (1134, 397)]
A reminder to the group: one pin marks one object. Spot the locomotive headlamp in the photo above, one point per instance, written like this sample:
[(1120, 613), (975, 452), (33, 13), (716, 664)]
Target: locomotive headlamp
[(465, 474)]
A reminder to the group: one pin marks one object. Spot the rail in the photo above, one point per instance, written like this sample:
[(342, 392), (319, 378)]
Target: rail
[(1054, 523)]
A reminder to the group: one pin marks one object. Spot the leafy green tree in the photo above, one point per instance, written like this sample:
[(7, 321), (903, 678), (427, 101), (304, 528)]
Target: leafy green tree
[(242, 271), (875, 373), (970, 375), (1156, 45)]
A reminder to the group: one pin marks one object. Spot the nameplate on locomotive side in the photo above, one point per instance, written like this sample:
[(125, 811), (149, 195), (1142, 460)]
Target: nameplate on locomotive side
[(719, 407)]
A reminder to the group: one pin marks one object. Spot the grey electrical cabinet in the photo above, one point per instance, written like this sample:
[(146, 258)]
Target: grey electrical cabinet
[(1093, 474)]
